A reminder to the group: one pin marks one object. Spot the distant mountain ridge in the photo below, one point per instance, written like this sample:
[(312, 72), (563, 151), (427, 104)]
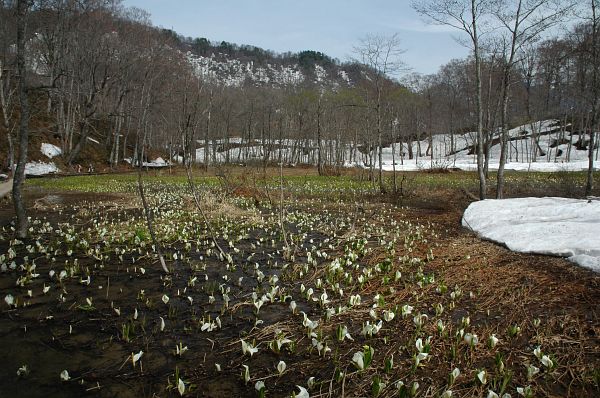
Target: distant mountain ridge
[(235, 65)]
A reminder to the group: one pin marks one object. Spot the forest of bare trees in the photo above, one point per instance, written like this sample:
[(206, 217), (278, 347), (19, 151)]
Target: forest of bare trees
[(96, 70)]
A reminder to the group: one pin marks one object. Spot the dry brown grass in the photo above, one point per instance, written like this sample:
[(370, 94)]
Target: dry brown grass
[(216, 205)]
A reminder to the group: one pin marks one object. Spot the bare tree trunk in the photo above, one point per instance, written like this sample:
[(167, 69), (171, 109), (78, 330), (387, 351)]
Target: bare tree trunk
[(503, 137), (480, 168), (379, 142), (5, 104), (207, 133), (287, 249), (126, 136), (595, 101), (114, 152), (488, 120), (505, 97), (19, 178), (149, 215), (319, 159), (590, 172), (84, 133), (394, 155)]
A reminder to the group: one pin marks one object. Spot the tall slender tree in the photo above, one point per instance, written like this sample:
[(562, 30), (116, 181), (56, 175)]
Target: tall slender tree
[(382, 55), (467, 16), (19, 177), (595, 92), (522, 22)]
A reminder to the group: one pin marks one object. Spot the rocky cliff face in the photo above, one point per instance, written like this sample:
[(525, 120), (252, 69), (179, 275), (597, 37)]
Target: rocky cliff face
[(229, 71)]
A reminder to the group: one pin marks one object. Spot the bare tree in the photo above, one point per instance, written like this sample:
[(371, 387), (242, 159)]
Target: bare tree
[(522, 21), (382, 55), (7, 81), (594, 101), (146, 96), (464, 15), (19, 177), (6, 105)]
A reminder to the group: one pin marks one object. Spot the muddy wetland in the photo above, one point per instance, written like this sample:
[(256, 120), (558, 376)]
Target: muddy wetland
[(310, 288)]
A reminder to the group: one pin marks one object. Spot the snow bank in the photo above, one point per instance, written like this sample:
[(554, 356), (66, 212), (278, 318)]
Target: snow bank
[(50, 150), (471, 166), (40, 168), (556, 150), (556, 226), (549, 149), (156, 163)]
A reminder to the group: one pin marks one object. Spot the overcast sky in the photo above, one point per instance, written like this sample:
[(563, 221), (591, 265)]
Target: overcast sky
[(331, 26)]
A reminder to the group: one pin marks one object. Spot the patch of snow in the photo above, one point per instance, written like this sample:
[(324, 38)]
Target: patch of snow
[(540, 146), (448, 151), (468, 165), (556, 226), (40, 168), (156, 163), (320, 74), (344, 75), (50, 150)]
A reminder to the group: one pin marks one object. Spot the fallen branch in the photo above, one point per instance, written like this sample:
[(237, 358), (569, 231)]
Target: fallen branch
[(188, 169), (470, 195), (149, 221)]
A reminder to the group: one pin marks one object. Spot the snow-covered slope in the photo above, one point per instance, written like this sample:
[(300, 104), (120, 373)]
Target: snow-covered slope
[(50, 150), (40, 168), (540, 146)]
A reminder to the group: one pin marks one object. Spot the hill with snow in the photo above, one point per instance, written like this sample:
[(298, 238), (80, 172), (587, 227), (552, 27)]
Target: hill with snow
[(234, 72)]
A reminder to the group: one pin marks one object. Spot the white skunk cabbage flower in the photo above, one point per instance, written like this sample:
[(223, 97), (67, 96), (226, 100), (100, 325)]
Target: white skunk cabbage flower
[(248, 348), (136, 357), (482, 376), (64, 375), (303, 393), (281, 367), (181, 387), (10, 300)]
